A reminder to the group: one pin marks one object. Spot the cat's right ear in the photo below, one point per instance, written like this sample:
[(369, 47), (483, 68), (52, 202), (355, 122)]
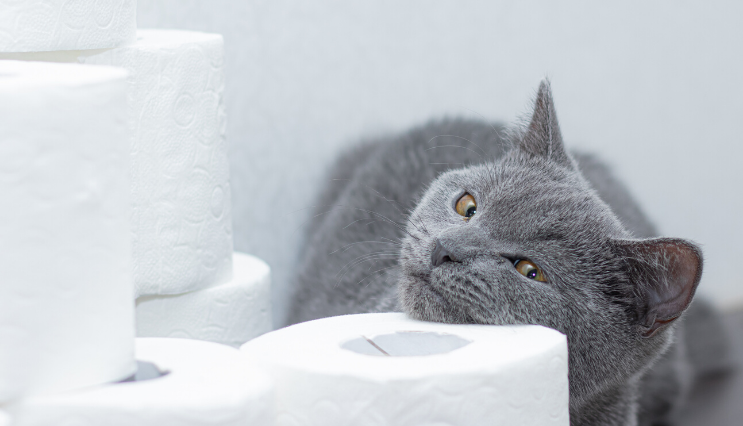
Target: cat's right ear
[(542, 137), (665, 273)]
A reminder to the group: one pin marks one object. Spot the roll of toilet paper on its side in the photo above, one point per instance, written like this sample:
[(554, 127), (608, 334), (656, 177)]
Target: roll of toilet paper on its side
[(391, 370), (181, 210), (205, 384), (42, 25), (231, 313), (66, 317)]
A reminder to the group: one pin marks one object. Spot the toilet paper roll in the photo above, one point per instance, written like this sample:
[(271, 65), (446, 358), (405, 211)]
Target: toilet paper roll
[(231, 313), (205, 384), (386, 369), (181, 210), (66, 317), (41, 25)]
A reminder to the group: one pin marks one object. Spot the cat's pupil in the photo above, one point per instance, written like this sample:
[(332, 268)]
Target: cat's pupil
[(532, 274), (471, 211)]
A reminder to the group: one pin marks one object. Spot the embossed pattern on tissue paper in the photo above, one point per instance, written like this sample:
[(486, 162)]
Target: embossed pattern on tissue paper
[(230, 313), (533, 393), (181, 213), (43, 25)]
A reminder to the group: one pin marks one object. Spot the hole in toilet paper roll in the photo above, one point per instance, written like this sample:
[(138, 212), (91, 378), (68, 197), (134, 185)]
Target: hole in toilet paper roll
[(406, 343), (146, 371)]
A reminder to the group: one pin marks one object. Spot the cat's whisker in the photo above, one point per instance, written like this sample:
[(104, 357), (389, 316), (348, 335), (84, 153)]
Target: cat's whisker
[(348, 246), (367, 258), (497, 134), (394, 204), (391, 241), (388, 220), (364, 258), (373, 213), (455, 146), (303, 224), (374, 272), (422, 224), (361, 259), (481, 154), (355, 221)]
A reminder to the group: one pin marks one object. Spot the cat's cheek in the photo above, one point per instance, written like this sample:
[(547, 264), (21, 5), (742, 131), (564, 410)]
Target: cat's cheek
[(420, 301)]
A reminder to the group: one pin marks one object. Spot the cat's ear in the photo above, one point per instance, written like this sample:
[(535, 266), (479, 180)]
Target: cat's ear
[(542, 137), (665, 273)]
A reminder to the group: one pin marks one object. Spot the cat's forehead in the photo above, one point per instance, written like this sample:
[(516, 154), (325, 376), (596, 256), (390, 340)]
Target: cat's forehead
[(529, 198), (510, 178)]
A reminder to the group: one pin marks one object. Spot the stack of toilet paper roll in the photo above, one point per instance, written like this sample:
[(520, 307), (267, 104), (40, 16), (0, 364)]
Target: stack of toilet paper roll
[(66, 318), (386, 369), (179, 383), (115, 186), (188, 281)]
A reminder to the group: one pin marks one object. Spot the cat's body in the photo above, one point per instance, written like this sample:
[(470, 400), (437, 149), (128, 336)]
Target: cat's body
[(387, 237)]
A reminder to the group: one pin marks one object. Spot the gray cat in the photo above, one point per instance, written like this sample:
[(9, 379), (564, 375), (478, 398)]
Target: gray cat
[(454, 222)]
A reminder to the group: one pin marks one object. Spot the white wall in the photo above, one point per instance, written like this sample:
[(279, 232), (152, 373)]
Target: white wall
[(655, 87)]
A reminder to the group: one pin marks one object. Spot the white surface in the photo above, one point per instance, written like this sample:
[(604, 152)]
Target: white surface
[(507, 375), (651, 86), (4, 418), (40, 25), (66, 317), (181, 210), (208, 384), (231, 313)]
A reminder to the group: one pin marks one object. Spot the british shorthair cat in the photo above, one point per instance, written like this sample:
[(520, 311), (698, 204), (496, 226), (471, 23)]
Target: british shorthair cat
[(455, 222)]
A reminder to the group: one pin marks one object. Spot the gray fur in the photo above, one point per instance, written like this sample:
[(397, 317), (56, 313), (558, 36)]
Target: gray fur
[(614, 290)]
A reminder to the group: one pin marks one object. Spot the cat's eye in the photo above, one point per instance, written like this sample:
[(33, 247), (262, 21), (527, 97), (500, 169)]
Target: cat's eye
[(466, 206), (529, 270)]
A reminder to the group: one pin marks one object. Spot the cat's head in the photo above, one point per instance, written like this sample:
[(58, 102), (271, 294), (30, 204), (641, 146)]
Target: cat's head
[(526, 240)]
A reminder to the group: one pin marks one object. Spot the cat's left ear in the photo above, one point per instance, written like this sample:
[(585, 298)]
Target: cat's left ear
[(665, 273), (542, 137)]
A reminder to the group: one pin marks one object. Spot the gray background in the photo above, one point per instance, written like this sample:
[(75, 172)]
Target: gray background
[(654, 87)]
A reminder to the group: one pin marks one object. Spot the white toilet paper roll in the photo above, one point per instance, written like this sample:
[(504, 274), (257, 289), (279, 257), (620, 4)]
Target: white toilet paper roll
[(333, 372), (181, 210), (205, 384), (231, 313), (66, 317), (41, 25)]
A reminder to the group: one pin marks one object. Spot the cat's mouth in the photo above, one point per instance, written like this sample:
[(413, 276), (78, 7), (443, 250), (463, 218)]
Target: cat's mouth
[(464, 295), (424, 300)]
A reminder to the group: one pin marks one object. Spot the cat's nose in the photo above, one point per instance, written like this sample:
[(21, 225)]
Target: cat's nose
[(440, 255)]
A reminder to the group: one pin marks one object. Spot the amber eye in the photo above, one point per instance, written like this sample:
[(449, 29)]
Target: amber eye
[(466, 206), (529, 270)]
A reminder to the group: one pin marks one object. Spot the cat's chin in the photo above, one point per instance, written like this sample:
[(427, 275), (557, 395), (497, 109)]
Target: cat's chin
[(422, 302)]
